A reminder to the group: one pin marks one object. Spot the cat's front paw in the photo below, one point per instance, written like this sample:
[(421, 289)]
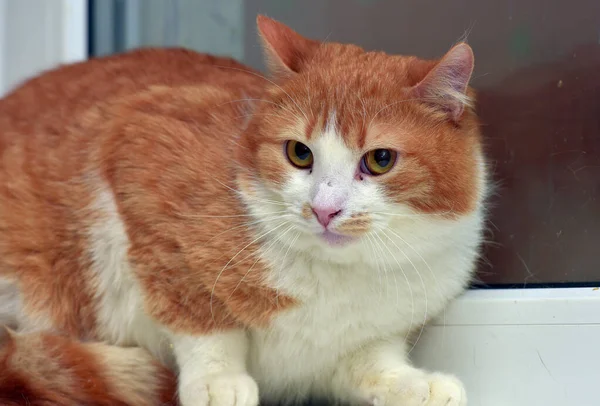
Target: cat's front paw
[(220, 390), (414, 388)]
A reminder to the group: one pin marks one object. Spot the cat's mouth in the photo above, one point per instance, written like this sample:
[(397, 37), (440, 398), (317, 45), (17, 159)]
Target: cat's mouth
[(336, 240)]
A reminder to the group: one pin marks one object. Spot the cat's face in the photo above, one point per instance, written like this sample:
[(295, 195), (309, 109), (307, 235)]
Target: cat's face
[(348, 144)]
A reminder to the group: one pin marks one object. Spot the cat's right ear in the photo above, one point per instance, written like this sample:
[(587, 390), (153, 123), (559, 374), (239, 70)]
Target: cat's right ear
[(445, 86), (286, 51)]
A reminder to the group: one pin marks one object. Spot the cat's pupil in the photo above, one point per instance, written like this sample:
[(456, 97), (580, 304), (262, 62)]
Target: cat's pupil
[(382, 157), (302, 151)]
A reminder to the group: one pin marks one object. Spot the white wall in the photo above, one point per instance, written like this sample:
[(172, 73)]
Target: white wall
[(36, 35)]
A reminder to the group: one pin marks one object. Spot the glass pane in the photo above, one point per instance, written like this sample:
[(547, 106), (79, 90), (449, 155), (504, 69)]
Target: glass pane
[(538, 81)]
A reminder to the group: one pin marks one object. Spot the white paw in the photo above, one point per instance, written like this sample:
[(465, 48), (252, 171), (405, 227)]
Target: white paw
[(220, 390), (415, 388)]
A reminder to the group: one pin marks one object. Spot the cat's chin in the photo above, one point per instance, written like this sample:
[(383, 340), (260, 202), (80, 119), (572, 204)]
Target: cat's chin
[(336, 240)]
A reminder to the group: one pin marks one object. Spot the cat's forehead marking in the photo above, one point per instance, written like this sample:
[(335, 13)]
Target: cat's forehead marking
[(347, 129), (331, 140), (334, 136), (330, 123), (333, 156)]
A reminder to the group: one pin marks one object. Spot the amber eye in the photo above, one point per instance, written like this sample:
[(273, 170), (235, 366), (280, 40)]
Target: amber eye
[(378, 161), (299, 154)]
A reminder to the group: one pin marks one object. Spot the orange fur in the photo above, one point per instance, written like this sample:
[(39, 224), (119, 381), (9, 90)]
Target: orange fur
[(170, 132)]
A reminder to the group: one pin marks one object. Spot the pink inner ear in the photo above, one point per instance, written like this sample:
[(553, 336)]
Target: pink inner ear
[(286, 50), (446, 84)]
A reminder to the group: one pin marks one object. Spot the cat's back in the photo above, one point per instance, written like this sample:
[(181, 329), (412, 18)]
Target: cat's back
[(52, 101), (53, 126)]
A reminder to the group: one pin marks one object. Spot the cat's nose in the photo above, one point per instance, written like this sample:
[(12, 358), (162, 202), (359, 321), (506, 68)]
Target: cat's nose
[(325, 214)]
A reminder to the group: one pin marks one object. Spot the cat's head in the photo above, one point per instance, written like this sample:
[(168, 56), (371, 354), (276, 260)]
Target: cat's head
[(346, 146)]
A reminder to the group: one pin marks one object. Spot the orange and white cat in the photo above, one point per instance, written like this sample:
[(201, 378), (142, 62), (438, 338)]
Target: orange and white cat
[(165, 213)]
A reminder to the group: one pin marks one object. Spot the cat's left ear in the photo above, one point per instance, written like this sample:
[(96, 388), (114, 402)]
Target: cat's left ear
[(445, 86), (286, 50)]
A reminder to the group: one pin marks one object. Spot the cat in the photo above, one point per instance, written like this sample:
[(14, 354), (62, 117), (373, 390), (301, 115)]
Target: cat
[(176, 227)]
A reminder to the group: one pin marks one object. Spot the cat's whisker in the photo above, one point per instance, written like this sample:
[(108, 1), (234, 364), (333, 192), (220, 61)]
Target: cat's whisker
[(267, 201), (258, 258), (271, 82), (200, 216), (252, 253), (379, 266), (239, 193), (435, 278), (393, 104), (413, 215), (259, 115), (247, 224), (280, 116), (212, 291), (422, 284), (290, 245), (364, 114), (256, 100), (251, 223), (374, 259), (384, 245), (308, 95), (408, 284), (260, 199), (384, 265), (241, 168)]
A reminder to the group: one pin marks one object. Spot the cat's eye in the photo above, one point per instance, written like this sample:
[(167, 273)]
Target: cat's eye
[(378, 161), (299, 154)]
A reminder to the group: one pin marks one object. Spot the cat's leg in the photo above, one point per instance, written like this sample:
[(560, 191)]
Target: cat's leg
[(380, 374), (212, 370)]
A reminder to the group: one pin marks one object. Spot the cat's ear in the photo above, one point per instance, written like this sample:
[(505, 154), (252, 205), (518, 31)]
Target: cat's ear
[(445, 86), (286, 50)]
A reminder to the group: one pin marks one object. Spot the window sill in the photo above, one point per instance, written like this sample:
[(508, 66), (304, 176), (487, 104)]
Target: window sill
[(519, 347)]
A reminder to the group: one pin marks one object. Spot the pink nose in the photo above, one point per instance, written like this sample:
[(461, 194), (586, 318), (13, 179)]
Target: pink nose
[(325, 214)]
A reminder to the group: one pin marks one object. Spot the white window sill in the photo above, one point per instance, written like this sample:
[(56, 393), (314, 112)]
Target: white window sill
[(520, 347)]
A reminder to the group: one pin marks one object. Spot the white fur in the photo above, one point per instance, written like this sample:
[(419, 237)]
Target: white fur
[(212, 370), (121, 316)]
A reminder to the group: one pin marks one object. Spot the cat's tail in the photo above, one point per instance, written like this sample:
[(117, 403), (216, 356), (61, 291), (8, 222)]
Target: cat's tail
[(42, 369)]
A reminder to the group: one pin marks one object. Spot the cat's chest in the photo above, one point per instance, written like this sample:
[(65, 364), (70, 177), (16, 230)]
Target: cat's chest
[(347, 296), (341, 308)]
